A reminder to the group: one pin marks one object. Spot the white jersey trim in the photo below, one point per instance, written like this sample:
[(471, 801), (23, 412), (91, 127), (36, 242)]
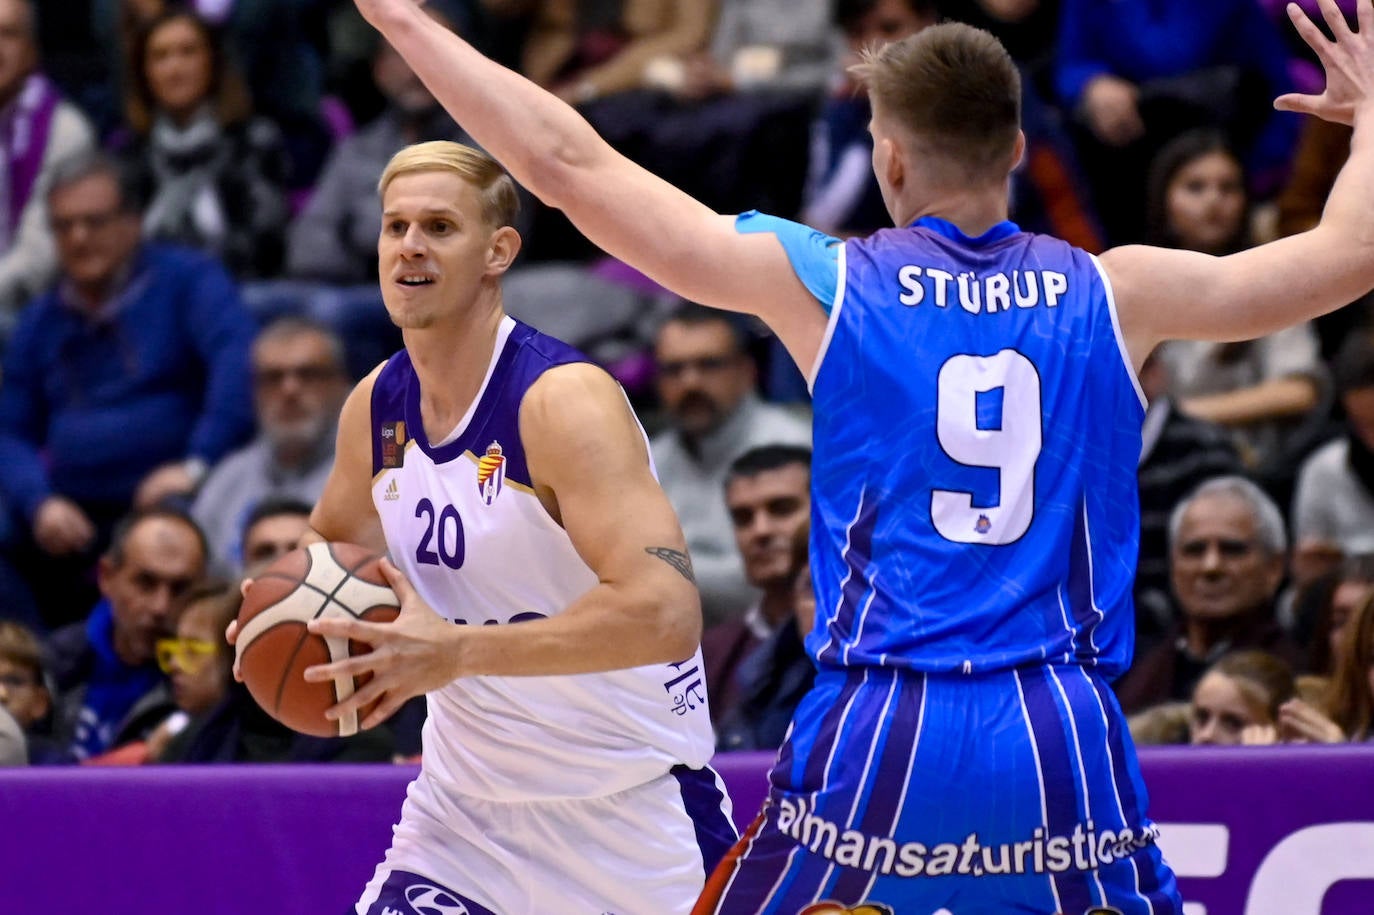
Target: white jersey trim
[(1116, 329), (841, 283)]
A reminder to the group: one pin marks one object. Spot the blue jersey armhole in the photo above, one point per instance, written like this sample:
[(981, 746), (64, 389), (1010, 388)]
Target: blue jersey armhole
[(815, 256)]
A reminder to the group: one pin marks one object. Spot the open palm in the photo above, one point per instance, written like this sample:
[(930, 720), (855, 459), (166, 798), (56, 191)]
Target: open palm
[(1347, 58)]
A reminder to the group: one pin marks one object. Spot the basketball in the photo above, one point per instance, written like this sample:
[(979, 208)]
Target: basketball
[(274, 647)]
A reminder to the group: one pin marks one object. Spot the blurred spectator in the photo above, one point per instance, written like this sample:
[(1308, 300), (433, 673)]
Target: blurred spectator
[(842, 196), (767, 492), (711, 119), (1338, 597), (197, 663), (585, 49), (1237, 700), (1333, 505), (778, 673), (299, 386), (213, 176), (273, 529), (1346, 711), (197, 660), (24, 691), (1177, 454), (1227, 549), (1350, 705), (1136, 73), (334, 239), (14, 747), (1264, 390), (109, 687), (122, 384), (706, 384), (1029, 29), (1165, 724), (1322, 150), (37, 128), (277, 45)]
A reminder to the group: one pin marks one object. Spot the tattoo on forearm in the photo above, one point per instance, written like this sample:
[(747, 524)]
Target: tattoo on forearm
[(675, 558)]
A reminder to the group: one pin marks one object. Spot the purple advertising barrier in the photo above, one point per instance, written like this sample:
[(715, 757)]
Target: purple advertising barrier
[(1259, 831), (1267, 830)]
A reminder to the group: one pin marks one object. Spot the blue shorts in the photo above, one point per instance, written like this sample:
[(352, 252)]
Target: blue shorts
[(1016, 791)]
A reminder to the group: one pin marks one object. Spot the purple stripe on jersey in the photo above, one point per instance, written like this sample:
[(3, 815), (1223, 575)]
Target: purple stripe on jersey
[(1080, 591), (388, 406), (822, 746), (880, 804), (705, 804), (1059, 774), (857, 559), (774, 860), (1133, 799)]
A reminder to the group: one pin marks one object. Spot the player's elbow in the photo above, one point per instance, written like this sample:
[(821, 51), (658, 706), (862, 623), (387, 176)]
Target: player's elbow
[(676, 622), (563, 167)]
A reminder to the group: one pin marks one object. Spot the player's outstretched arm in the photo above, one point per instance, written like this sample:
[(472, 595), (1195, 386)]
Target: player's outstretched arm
[(630, 213), (1164, 294)]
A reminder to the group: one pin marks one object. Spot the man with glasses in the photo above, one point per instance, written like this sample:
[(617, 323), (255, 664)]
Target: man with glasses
[(706, 386), (122, 384), (105, 668), (299, 385), (1227, 548)]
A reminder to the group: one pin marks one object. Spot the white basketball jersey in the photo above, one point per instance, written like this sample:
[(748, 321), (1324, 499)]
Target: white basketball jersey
[(463, 523)]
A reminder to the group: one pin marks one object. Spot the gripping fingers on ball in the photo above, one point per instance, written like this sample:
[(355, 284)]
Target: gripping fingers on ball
[(348, 667), (360, 700)]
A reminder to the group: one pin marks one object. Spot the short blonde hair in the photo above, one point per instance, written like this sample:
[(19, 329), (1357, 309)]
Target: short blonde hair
[(956, 89), (500, 203)]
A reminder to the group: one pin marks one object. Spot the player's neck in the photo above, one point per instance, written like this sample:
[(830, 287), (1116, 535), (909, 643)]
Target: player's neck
[(451, 365), (972, 211)]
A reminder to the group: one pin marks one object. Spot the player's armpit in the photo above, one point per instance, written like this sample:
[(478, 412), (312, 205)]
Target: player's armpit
[(345, 511), (584, 446)]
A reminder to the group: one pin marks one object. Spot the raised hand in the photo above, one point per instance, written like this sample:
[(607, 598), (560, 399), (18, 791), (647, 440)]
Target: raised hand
[(411, 655), (1301, 722), (1348, 60)]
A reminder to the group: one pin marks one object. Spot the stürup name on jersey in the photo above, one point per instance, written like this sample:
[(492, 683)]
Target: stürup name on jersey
[(975, 293)]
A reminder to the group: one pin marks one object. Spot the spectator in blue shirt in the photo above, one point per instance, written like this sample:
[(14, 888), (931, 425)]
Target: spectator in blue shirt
[(122, 384), (1138, 72)]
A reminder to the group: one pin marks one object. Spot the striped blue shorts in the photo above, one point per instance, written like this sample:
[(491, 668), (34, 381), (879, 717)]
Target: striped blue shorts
[(918, 794)]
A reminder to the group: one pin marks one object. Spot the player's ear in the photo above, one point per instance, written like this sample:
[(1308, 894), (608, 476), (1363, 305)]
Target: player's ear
[(501, 250), (1018, 153), (894, 168)]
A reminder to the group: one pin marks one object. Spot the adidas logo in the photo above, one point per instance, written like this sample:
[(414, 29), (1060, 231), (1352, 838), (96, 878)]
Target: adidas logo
[(393, 492)]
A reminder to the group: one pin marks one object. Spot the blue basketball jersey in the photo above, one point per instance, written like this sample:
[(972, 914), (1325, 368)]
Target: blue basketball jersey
[(977, 430)]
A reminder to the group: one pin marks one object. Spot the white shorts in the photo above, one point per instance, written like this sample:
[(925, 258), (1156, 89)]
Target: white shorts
[(643, 851)]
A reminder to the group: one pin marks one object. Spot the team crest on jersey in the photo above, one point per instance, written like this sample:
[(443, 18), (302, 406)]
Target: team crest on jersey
[(983, 524), (834, 908), (393, 444), (491, 472)]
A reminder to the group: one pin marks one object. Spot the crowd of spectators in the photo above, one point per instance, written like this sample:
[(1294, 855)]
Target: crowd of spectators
[(188, 224)]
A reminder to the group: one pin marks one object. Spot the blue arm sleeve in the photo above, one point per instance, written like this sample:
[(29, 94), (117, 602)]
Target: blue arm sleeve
[(815, 256)]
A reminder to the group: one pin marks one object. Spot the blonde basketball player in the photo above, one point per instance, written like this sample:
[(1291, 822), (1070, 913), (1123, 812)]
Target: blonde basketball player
[(547, 602)]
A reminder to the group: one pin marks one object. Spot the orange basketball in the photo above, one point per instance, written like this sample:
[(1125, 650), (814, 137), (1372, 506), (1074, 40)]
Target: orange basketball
[(274, 647)]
